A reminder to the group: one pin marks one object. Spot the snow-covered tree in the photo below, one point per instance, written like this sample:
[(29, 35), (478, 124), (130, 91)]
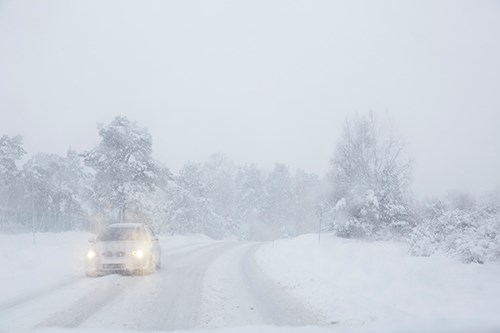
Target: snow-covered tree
[(203, 198), (219, 174), (11, 189), (249, 183), (125, 172), (371, 177), (277, 211), (54, 184), (11, 150), (188, 207), (460, 200), (306, 196)]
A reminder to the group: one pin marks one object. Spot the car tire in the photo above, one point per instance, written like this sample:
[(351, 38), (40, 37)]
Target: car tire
[(158, 264), (151, 267)]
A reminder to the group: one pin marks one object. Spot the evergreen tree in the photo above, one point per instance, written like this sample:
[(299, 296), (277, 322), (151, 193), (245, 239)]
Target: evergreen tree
[(277, 212), (125, 172), (11, 189), (249, 184)]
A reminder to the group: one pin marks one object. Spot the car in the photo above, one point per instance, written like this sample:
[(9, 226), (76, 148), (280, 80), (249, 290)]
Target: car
[(123, 248)]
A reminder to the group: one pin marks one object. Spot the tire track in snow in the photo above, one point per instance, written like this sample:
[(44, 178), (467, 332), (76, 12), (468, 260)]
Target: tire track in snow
[(90, 303), (275, 304), (166, 301), (46, 303), (21, 300), (121, 296), (181, 305), (171, 298), (38, 294), (238, 293)]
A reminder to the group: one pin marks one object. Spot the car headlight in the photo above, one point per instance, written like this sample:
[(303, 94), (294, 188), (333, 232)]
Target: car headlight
[(138, 253), (91, 254)]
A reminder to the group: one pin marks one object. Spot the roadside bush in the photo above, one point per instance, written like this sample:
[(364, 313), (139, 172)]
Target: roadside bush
[(472, 235)]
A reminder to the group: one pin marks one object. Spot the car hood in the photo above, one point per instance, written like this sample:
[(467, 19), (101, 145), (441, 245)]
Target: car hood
[(125, 246)]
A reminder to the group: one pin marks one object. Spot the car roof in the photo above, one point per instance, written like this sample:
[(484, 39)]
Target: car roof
[(125, 225)]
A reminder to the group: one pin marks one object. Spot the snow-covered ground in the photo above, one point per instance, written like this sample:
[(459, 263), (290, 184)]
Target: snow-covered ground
[(377, 284), (42, 279), (228, 286), (55, 260)]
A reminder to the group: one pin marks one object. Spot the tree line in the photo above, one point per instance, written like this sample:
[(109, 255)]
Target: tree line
[(366, 194), (120, 181)]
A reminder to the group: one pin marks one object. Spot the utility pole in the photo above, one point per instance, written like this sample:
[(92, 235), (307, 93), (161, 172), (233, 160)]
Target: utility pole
[(121, 212), (320, 222), (33, 206)]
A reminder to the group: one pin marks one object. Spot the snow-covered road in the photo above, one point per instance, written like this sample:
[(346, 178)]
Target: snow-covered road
[(201, 285), (237, 293), (341, 285)]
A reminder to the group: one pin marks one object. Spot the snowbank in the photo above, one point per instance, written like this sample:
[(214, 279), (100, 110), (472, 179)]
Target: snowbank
[(253, 329), (55, 259), (377, 284), (276, 329)]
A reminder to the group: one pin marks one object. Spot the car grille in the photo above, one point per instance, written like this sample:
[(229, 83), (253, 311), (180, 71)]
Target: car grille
[(109, 254), (113, 266)]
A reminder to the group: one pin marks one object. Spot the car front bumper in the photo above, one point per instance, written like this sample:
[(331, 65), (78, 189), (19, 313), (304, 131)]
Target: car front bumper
[(102, 265)]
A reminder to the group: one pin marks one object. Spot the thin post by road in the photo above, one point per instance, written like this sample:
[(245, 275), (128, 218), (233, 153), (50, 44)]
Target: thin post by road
[(320, 223), (33, 225)]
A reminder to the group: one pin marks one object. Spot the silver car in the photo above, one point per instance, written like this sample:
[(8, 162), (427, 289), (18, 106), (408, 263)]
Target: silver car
[(124, 248)]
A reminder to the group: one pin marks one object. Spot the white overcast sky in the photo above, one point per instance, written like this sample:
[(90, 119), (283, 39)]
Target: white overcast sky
[(260, 81)]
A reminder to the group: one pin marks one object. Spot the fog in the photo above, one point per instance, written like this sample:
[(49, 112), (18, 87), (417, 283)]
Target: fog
[(260, 81), (283, 165)]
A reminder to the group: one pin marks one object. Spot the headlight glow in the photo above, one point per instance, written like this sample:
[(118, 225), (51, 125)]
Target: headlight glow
[(138, 253), (91, 254)]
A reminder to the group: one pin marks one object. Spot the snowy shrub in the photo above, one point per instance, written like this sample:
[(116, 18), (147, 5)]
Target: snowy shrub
[(472, 235), (351, 228)]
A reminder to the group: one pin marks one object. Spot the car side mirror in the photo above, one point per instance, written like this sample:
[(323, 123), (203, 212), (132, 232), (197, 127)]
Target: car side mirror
[(91, 239)]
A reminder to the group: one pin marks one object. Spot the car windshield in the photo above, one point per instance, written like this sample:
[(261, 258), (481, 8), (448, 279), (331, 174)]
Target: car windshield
[(123, 234)]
